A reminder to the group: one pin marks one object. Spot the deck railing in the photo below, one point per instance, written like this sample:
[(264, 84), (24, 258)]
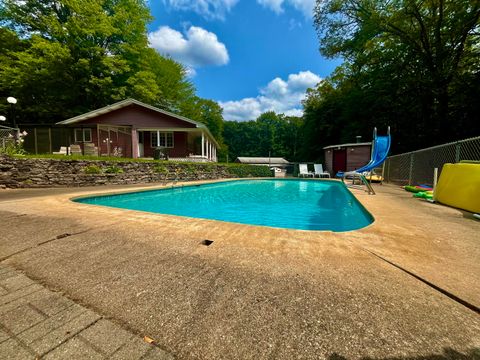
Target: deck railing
[(190, 159)]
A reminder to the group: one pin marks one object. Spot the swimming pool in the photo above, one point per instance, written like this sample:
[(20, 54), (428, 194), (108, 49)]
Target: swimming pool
[(281, 203)]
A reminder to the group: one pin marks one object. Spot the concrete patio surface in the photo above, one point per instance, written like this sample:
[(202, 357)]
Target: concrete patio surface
[(257, 292), (38, 323)]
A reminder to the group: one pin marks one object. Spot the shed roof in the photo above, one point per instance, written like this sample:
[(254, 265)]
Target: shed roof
[(128, 102), (262, 160), (347, 145)]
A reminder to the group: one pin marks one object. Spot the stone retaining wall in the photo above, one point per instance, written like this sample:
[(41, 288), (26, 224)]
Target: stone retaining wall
[(39, 172)]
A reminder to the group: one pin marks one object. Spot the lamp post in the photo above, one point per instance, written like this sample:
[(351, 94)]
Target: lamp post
[(107, 141), (12, 101)]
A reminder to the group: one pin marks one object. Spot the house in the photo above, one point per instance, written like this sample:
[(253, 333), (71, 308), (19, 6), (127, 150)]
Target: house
[(130, 128), (347, 157)]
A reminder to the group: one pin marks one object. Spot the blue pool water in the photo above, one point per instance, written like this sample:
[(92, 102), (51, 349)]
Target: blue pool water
[(294, 204)]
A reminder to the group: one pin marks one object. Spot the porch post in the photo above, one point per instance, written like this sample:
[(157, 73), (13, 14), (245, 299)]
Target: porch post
[(203, 145), (208, 149), (134, 143), (99, 149)]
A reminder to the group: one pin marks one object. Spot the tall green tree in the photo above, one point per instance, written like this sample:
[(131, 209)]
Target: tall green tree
[(271, 133), (209, 113), (405, 61), (71, 56)]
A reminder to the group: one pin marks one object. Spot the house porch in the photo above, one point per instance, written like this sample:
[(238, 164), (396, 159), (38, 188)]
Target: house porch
[(127, 141)]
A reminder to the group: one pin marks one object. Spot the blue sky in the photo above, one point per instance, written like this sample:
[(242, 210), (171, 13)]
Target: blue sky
[(249, 55)]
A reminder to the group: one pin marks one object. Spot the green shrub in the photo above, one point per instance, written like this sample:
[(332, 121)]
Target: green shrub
[(92, 169), (242, 170), (161, 169), (13, 146), (191, 169), (113, 169)]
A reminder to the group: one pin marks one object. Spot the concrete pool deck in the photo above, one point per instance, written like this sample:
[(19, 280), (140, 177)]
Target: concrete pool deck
[(259, 292)]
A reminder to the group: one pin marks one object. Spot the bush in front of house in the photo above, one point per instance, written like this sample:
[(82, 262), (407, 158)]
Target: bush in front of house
[(242, 170), (113, 169), (160, 169), (92, 169)]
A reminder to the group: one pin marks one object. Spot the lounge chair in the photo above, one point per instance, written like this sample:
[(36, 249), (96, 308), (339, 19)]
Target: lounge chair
[(303, 171), (63, 151), (319, 171), (90, 149), (75, 149)]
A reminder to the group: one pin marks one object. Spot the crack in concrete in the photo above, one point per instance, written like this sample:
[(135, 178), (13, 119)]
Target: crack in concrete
[(58, 237), (443, 291)]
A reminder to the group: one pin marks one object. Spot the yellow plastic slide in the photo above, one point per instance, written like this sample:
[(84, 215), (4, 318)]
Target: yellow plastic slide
[(459, 186)]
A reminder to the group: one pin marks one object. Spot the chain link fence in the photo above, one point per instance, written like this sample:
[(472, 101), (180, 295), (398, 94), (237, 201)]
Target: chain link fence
[(417, 167), (7, 136)]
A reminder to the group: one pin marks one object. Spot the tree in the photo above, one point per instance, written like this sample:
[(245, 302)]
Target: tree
[(274, 134), (67, 57), (404, 61)]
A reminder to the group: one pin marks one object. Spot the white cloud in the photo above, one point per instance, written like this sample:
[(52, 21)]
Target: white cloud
[(292, 24), (274, 5), (294, 112), (210, 9), (281, 96), (196, 48), (190, 72), (305, 6)]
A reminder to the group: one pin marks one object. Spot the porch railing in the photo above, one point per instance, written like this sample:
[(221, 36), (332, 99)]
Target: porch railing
[(200, 159)]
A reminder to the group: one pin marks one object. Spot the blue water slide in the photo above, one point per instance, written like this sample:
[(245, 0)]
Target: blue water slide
[(381, 147)]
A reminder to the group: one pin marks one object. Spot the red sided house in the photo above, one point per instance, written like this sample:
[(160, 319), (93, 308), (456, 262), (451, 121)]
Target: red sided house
[(130, 128)]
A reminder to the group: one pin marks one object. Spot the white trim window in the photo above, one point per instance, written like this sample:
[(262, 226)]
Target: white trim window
[(83, 135), (161, 139)]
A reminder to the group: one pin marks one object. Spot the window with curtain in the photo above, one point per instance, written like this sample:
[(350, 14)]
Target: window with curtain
[(161, 139), (83, 135)]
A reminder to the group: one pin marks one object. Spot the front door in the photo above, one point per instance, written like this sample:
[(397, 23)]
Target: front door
[(339, 160), (140, 143)]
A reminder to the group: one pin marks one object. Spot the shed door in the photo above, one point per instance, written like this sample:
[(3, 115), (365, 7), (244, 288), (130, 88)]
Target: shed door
[(339, 160)]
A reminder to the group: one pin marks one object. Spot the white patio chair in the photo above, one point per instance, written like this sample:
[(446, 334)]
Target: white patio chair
[(303, 171), (62, 151), (75, 149), (319, 171)]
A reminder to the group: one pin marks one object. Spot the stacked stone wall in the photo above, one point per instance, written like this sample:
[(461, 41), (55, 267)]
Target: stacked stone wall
[(17, 172)]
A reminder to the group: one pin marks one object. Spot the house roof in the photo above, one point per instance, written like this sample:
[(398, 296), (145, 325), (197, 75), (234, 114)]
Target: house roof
[(262, 160), (128, 102), (347, 145)]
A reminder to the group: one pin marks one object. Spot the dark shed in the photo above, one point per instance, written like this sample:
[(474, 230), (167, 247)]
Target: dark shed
[(347, 157)]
